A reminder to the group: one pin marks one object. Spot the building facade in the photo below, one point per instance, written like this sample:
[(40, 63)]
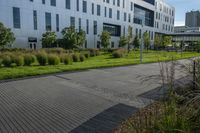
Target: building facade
[(29, 19), (192, 19)]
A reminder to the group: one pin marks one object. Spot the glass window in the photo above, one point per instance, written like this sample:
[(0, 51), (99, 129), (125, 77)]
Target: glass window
[(68, 4), (16, 17), (53, 2), (77, 5), (48, 21), (57, 23), (114, 30), (110, 12), (98, 10), (79, 24), (95, 27), (43, 1), (87, 26), (118, 15), (35, 19), (85, 6), (92, 8), (72, 21)]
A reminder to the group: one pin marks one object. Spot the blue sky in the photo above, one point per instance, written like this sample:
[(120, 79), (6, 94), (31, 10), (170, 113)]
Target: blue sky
[(182, 6)]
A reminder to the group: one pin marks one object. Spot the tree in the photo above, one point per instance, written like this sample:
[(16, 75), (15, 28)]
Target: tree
[(146, 40), (157, 41), (6, 36), (81, 37), (48, 39), (123, 41), (136, 42), (69, 37), (167, 40), (130, 37), (105, 39), (198, 45)]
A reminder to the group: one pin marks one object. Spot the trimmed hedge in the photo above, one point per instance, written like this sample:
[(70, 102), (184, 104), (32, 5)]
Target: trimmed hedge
[(53, 59), (42, 58)]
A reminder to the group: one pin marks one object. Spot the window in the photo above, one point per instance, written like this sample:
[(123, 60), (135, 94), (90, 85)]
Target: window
[(125, 16), (105, 12), (114, 30), (118, 3), (48, 21), (16, 17), (95, 27), (68, 4), (87, 26), (35, 20), (57, 23), (43, 1), (72, 21), (79, 24), (77, 5), (98, 10), (123, 3), (93, 8), (53, 2), (110, 12), (85, 6), (118, 15)]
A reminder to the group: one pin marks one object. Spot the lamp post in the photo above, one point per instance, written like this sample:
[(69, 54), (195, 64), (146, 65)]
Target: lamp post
[(141, 45)]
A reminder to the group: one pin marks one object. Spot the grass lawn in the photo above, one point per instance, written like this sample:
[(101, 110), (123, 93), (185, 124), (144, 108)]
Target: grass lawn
[(104, 60)]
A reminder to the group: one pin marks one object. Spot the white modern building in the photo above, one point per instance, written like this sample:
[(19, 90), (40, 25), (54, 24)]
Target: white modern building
[(29, 19)]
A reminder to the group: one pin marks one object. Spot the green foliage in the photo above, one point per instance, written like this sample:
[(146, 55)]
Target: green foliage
[(72, 38), (123, 41), (42, 58), (18, 60), (48, 39), (82, 58), (1, 62), (167, 40), (53, 59), (75, 57), (198, 45), (105, 39), (94, 52), (6, 36), (67, 59), (146, 40), (130, 36), (157, 41), (86, 54), (29, 59), (7, 61), (136, 42)]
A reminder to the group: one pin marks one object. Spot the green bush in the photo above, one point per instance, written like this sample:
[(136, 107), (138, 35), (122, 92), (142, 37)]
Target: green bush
[(75, 57), (82, 58), (1, 62), (18, 60), (53, 59), (42, 58), (6, 60), (94, 52), (86, 54), (67, 59), (54, 50), (119, 53), (29, 59)]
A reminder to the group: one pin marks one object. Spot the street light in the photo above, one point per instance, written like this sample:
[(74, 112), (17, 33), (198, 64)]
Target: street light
[(141, 45)]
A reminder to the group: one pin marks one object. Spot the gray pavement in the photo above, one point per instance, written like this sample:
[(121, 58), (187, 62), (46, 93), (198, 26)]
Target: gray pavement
[(96, 100)]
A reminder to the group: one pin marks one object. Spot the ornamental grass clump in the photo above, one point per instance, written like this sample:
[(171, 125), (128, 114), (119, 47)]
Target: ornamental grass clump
[(42, 58), (53, 59)]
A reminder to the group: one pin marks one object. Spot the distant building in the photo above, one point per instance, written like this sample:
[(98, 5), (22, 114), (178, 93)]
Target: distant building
[(193, 19)]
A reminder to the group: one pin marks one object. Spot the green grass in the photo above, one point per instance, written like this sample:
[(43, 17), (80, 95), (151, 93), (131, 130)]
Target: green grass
[(104, 60)]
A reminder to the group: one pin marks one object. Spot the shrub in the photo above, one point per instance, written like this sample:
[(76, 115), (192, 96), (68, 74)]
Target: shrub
[(94, 52), (67, 59), (6, 61), (54, 50), (82, 58), (42, 58), (1, 62), (29, 59), (86, 54), (53, 59), (75, 57), (18, 60), (119, 53)]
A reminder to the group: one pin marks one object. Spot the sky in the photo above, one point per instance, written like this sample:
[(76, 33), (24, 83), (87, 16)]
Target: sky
[(183, 6)]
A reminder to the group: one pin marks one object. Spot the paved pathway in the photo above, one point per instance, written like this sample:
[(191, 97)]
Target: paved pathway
[(96, 100)]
